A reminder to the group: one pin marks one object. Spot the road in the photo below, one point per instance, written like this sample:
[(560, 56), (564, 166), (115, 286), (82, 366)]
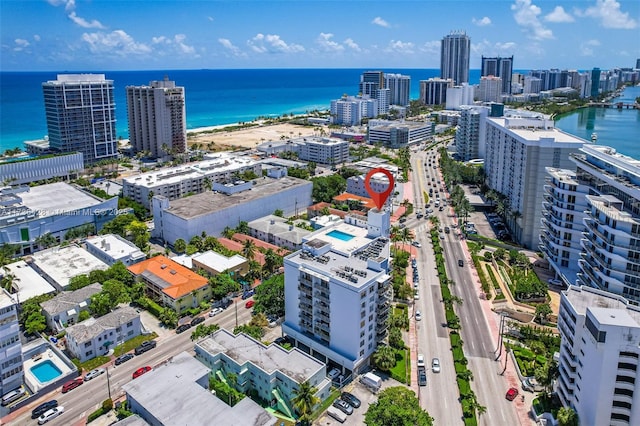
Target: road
[(440, 397), (83, 400)]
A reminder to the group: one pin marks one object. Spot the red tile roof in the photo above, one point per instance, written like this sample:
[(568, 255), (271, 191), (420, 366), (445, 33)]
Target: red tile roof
[(259, 243), (237, 246), (183, 280)]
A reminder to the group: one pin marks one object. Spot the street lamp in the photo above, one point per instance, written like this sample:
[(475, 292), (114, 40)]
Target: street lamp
[(500, 334), (108, 381), (235, 304)]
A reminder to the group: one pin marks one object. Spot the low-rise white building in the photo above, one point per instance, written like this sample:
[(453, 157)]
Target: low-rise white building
[(23, 170), (599, 356), (27, 283), (398, 134), (96, 336), (58, 265), (11, 369), (275, 230), (112, 248), (215, 263), (63, 309), (192, 178), (271, 371)]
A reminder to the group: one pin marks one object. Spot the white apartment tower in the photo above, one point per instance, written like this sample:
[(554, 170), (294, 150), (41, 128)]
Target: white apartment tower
[(81, 115), (400, 87), (338, 292), (520, 145), (458, 96), (490, 89), (499, 67), (157, 118), (471, 132), (350, 110), (599, 357), (454, 57), (11, 370)]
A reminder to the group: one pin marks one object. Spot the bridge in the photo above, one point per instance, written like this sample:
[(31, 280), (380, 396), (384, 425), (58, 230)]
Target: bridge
[(617, 105)]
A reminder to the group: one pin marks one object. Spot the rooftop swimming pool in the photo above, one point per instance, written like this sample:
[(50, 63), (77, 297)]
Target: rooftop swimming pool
[(340, 235), (45, 371)]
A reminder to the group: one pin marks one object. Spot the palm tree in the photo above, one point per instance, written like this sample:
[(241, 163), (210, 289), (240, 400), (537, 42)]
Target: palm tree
[(228, 232), (271, 261), (567, 416), (385, 358), (8, 280), (305, 400), (249, 249)]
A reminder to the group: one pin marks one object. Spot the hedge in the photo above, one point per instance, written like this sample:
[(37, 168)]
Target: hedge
[(99, 412)]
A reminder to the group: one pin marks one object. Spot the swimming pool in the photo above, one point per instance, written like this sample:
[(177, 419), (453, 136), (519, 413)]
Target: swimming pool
[(340, 235), (45, 371)]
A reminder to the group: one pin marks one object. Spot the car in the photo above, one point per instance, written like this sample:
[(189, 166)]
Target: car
[(416, 244), (447, 229), (343, 406), (435, 365), (93, 374), (422, 377), (418, 315), (419, 216), (460, 262), (351, 399), (440, 208), (273, 320), (182, 328), (196, 321), (416, 295), (123, 358), (43, 408), (215, 311), (333, 374), (145, 346), (50, 414), (511, 394), (420, 360), (531, 385), (415, 283), (140, 371), (403, 219), (249, 304), (555, 282), (72, 384), (247, 294), (13, 395)]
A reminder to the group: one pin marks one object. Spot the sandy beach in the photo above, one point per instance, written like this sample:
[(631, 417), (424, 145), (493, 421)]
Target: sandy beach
[(245, 138)]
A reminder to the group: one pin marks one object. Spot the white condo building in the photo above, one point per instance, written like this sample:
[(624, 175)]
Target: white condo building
[(599, 357), (471, 132), (322, 150), (157, 118), (338, 292), (11, 370), (398, 134), (400, 87), (490, 89), (519, 148), (458, 96), (350, 110)]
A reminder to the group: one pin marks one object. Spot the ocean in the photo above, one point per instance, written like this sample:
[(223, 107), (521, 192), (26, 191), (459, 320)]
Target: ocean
[(213, 97)]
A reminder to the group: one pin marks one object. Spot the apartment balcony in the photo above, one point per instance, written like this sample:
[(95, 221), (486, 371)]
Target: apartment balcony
[(322, 326), (305, 289), (321, 314), (306, 306), (321, 286), (322, 296)]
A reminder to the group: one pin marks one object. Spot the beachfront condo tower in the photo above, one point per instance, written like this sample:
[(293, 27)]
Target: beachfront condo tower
[(400, 86), (454, 57), (81, 116), (499, 67), (157, 118), (371, 82)]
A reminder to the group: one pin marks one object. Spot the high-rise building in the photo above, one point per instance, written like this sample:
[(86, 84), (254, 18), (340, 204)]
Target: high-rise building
[(458, 96), (532, 84), (543, 75), (157, 119), (471, 132), (400, 87), (350, 110), (599, 357), (520, 145), (371, 82), (81, 115), (383, 97), (490, 89), (637, 64), (454, 57), (11, 370), (434, 90), (499, 67), (595, 82), (338, 292)]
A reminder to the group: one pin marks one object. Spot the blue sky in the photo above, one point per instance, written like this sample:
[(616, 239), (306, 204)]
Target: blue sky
[(74, 35)]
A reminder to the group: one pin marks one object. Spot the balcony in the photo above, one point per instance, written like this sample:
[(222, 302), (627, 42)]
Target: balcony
[(322, 296)]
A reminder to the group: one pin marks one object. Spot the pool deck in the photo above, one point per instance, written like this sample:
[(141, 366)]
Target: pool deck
[(32, 382)]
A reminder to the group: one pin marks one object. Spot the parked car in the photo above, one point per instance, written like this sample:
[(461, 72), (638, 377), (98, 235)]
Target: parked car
[(145, 346), (511, 394), (249, 304), (196, 321), (343, 406), (422, 377), (123, 358), (13, 395), (72, 385), (43, 408), (337, 414), (182, 328), (416, 244), (420, 360), (247, 294), (215, 311), (418, 315), (460, 262), (50, 414), (435, 365), (93, 374), (555, 282), (140, 371), (280, 341), (333, 374), (531, 385), (351, 399)]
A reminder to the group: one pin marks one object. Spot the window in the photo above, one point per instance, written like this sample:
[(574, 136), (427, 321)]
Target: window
[(88, 344), (130, 333), (130, 324), (89, 353)]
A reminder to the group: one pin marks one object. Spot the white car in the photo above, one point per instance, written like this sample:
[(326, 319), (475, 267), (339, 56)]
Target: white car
[(435, 365), (416, 244), (418, 315), (416, 295), (333, 374), (93, 374), (555, 282), (50, 415), (420, 360), (215, 311)]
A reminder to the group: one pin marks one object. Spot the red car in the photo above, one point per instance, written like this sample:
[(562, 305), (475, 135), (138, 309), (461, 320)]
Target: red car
[(511, 394), (72, 384), (249, 304), (140, 371)]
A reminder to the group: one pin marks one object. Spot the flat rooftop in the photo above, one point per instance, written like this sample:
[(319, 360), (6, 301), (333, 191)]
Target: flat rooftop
[(533, 133), (584, 297), (156, 392), (295, 364), (218, 261), (28, 282), (208, 202), (115, 246), (63, 263), (357, 238)]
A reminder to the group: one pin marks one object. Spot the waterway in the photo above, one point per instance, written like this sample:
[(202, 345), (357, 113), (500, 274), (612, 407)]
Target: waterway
[(617, 128)]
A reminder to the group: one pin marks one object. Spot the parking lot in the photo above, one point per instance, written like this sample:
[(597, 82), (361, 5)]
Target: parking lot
[(365, 396)]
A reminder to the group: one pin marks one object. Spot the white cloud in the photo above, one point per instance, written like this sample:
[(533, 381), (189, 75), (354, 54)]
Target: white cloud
[(21, 44), (235, 50), (272, 43), (84, 23), (69, 5), (160, 39), (381, 22), (328, 45), (352, 45), (431, 47), (184, 48), (397, 46), (36, 37), (526, 14), (558, 15), (609, 14), (482, 22), (116, 42), (487, 48)]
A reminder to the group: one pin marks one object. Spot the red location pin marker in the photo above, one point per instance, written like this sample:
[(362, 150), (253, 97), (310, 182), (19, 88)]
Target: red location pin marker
[(379, 198)]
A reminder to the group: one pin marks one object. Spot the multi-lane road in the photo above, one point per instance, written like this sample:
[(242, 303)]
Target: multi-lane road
[(83, 400), (440, 396)]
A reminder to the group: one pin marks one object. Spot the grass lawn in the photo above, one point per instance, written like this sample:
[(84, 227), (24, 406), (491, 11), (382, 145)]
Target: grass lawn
[(402, 367), (132, 344), (326, 403), (93, 363)]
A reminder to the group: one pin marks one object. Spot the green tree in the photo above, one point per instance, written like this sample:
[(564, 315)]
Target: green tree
[(397, 406), (249, 249), (180, 245), (269, 296), (228, 232), (204, 330), (243, 228), (278, 212), (118, 225), (327, 187), (47, 240), (259, 320), (101, 304), (78, 282), (139, 234), (272, 261), (117, 292), (83, 315), (169, 317), (35, 323), (221, 285), (305, 400), (395, 338), (250, 330), (567, 416), (385, 358), (543, 311)]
